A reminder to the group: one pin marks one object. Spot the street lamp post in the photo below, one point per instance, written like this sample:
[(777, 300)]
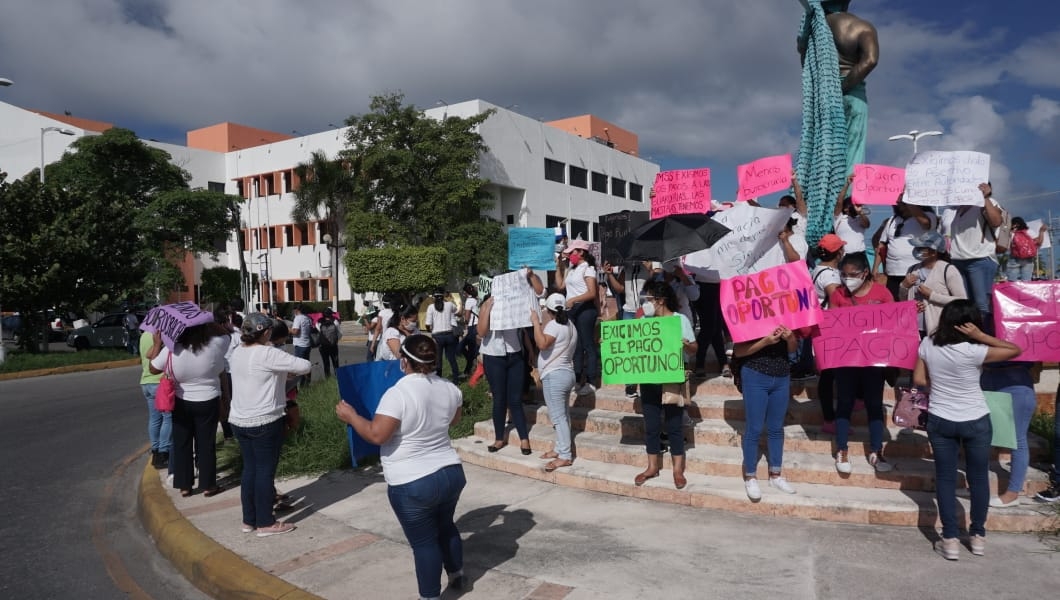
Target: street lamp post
[(4, 82), (913, 135), (44, 130), (335, 246)]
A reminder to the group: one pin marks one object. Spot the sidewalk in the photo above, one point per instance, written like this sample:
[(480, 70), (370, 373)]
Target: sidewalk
[(527, 539)]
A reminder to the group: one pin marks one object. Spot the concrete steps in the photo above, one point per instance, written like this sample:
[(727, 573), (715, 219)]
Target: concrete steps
[(609, 451)]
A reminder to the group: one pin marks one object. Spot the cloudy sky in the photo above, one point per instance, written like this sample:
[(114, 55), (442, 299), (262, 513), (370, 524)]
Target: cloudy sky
[(704, 83)]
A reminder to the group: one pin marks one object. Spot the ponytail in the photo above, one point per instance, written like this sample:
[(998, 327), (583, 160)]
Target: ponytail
[(561, 315)]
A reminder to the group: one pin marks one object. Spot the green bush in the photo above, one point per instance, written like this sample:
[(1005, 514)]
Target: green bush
[(407, 270), (1042, 424), (18, 360)]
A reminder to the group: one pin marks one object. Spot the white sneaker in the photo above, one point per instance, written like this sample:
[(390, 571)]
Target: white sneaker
[(842, 463), (781, 484), (586, 389), (753, 491), (880, 463)]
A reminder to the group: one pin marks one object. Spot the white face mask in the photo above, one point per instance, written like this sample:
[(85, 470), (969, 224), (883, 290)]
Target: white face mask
[(649, 309), (920, 254), (853, 283)]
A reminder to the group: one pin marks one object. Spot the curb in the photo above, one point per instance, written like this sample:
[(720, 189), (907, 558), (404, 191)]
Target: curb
[(70, 369), (209, 566)]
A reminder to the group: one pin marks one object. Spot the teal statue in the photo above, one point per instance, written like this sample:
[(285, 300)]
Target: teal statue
[(838, 51)]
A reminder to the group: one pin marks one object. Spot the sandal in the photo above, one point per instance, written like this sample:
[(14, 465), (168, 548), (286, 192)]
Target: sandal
[(642, 477), (557, 464), (494, 447), (549, 454), (726, 372)]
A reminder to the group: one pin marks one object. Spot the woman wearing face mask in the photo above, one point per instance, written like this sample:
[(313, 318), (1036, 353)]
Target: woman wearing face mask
[(579, 282), (850, 221), (933, 282), (660, 301), (402, 324), (859, 382), (439, 322), (894, 249), (423, 472)]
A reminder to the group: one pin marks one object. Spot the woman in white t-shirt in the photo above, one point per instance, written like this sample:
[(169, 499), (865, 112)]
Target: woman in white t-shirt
[(826, 279), (198, 361), (469, 345), (259, 376), (850, 220), (556, 340), (440, 316), (950, 362), (577, 278), (423, 472), (894, 251), (401, 325)]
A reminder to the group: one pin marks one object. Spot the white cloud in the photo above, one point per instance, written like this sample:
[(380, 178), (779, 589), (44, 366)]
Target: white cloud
[(1042, 115), (975, 124)]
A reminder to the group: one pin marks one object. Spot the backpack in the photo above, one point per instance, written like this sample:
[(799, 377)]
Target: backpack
[(1023, 246), (329, 333)]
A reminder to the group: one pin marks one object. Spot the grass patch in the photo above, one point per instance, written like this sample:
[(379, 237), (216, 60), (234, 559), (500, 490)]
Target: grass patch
[(320, 444), (18, 360), (1043, 424)]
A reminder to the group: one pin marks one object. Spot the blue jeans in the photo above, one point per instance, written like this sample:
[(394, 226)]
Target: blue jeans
[(132, 341), (159, 424), (765, 399), (946, 439), (1015, 380), (587, 354), (557, 386), (505, 375), (852, 383), (425, 509), (1019, 269), (658, 415), (447, 345), (260, 448), (978, 274)]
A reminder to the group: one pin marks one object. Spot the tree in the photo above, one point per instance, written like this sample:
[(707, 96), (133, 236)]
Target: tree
[(220, 284), (325, 192), (416, 183), (405, 271), (112, 222)]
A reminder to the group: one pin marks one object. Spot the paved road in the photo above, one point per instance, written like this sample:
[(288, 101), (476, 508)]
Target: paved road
[(72, 448)]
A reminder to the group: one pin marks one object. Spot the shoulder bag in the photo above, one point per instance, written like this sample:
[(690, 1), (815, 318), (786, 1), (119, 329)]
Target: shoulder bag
[(910, 408), (166, 393)]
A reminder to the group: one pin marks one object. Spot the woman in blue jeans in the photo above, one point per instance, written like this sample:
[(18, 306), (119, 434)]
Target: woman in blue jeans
[(660, 300), (1014, 378), (422, 470), (765, 375), (949, 364), (556, 340), (259, 376)]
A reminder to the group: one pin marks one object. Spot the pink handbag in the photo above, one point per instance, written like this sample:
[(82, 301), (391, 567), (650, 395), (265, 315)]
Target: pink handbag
[(166, 393)]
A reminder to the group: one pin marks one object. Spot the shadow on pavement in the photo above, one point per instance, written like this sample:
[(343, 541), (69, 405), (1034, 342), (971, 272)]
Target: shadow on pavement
[(494, 537)]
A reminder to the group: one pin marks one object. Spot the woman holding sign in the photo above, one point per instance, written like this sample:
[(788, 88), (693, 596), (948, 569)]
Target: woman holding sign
[(660, 300), (850, 220), (556, 340), (949, 364), (578, 280), (502, 359)]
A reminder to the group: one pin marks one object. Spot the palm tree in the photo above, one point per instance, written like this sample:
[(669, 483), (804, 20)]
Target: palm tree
[(325, 191)]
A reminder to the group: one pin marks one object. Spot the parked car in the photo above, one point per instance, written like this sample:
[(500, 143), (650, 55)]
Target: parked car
[(108, 332), (12, 327)]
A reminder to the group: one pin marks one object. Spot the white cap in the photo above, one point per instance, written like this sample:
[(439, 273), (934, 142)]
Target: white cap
[(555, 302)]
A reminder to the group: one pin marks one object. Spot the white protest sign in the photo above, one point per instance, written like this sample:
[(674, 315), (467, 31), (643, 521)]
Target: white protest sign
[(946, 178), (750, 246), (513, 299), (1034, 228)]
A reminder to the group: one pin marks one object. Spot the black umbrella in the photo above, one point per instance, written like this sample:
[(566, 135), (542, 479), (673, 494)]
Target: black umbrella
[(672, 236)]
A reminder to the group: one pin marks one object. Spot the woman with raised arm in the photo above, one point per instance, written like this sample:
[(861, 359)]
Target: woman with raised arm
[(556, 339)]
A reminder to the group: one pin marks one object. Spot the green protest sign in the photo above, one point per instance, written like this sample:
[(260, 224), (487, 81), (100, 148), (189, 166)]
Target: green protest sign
[(642, 351)]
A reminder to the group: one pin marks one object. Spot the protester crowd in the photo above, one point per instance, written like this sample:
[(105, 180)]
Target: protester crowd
[(229, 370)]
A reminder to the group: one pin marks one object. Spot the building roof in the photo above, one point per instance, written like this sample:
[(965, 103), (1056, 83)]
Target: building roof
[(79, 122)]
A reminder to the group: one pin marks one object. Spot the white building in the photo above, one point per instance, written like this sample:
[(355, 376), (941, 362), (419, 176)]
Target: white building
[(541, 175)]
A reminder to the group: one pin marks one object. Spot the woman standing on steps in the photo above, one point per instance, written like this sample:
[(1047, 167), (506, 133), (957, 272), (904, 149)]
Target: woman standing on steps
[(949, 364), (765, 376), (502, 360), (660, 300), (556, 341)]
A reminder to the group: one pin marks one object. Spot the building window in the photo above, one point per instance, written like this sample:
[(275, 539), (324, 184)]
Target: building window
[(511, 219), (554, 170), (599, 182), (301, 235), (215, 186), (288, 236), (579, 177), (618, 187), (239, 189), (272, 237), (636, 192), (325, 289), (553, 220), (286, 181), (579, 229)]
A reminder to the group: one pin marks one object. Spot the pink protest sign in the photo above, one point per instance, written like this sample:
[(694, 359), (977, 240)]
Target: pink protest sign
[(172, 319), (681, 192), (871, 335), (753, 305), (877, 184), (763, 176), (1027, 313)]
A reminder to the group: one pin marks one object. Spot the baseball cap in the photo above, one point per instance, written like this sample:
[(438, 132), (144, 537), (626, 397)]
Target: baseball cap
[(255, 323), (576, 245), (831, 242), (555, 302)]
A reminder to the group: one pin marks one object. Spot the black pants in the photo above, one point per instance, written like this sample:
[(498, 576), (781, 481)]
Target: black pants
[(447, 344), (329, 355), (194, 430), (659, 416), (469, 349), (711, 324)]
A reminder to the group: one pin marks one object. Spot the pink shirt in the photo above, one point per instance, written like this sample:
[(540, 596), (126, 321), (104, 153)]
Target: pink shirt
[(841, 297)]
